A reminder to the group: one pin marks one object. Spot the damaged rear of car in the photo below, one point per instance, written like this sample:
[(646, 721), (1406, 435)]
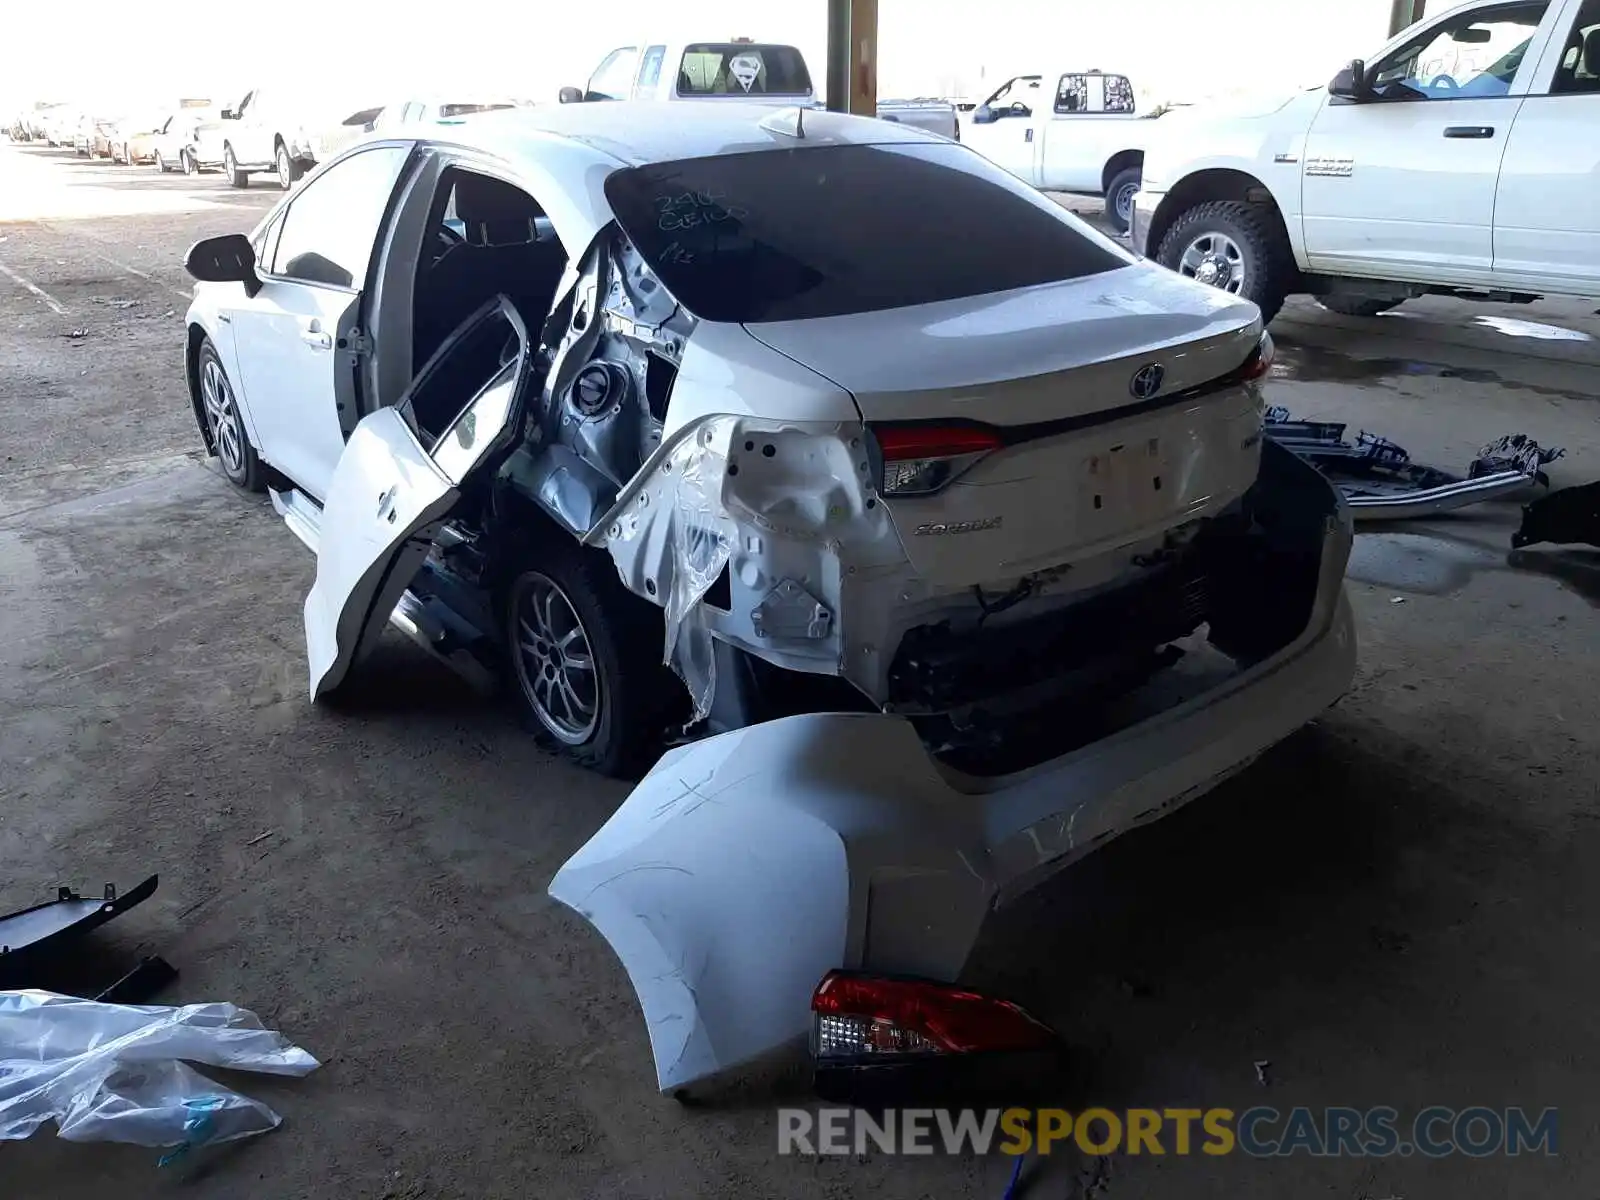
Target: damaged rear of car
[(937, 530)]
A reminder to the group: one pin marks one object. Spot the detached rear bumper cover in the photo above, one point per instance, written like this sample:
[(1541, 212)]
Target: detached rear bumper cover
[(745, 867)]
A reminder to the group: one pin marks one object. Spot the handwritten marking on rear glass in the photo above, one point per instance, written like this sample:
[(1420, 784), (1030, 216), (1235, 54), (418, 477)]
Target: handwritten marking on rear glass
[(691, 209)]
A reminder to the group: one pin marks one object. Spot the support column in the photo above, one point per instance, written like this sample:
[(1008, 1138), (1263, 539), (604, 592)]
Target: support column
[(1405, 13), (853, 56)]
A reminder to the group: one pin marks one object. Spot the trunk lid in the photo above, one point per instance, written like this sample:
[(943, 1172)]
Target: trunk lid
[(1090, 459)]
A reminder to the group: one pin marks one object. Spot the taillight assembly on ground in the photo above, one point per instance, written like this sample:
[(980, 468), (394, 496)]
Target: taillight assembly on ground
[(921, 459), (878, 1040), (864, 1016)]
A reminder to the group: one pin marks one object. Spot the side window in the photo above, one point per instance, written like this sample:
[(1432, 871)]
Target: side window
[(1579, 70), (1474, 55), (462, 399), (329, 229), (1016, 97), (1072, 94), (613, 79), (650, 73)]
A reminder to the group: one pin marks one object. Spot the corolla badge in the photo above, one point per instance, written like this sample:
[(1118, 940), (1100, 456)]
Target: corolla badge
[(1147, 380), (946, 528)]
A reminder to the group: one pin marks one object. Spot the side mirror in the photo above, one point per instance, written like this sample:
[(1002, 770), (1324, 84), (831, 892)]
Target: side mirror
[(571, 95), (1351, 83), (226, 259), (229, 114), (982, 115)]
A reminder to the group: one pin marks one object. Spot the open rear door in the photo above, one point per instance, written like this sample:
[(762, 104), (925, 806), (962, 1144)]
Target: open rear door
[(398, 480)]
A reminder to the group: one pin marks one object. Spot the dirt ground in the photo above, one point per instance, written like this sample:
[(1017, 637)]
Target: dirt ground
[(1393, 908)]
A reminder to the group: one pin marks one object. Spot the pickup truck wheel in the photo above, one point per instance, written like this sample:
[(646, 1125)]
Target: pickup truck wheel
[(224, 427), (230, 165), (586, 660), (1357, 306), (1119, 198), (1234, 246)]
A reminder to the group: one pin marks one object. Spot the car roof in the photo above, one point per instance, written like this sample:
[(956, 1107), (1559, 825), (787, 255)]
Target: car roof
[(565, 152), (633, 134)]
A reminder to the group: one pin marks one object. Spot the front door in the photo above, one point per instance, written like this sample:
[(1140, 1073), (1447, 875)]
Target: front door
[(396, 482), (1403, 184), (290, 339), (1005, 127)]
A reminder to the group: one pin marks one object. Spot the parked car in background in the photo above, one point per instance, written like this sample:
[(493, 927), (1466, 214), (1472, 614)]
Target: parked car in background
[(133, 138), (58, 126), (274, 129), (83, 135), (730, 72), (103, 137), (209, 150), (1071, 131), (1459, 159)]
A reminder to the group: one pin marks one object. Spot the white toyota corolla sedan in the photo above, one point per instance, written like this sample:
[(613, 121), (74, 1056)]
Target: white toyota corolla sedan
[(813, 442)]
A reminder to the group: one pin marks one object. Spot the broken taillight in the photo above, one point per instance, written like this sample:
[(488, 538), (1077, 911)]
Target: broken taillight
[(920, 459), (863, 1016), (1259, 362)]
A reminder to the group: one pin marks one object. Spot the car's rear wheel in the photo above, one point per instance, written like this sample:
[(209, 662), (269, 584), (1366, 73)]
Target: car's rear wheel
[(161, 163), (1234, 246), (224, 425), (585, 658), (1119, 198), (230, 165), (289, 171), (1358, 306), (190, 166)]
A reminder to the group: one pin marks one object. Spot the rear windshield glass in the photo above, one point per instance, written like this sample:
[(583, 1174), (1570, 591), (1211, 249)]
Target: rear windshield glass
[(743, 69), (781, 235)]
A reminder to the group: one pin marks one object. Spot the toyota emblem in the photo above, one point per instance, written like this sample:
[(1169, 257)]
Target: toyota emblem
[(1147, 381)]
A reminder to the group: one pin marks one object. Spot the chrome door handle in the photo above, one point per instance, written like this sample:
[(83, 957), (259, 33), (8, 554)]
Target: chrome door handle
[(317, 340)]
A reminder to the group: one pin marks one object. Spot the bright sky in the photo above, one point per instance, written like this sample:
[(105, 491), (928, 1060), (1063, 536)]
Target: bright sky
[(142, 50)]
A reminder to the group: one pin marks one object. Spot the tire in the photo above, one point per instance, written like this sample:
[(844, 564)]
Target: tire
[(1119, 198), (230, 168), (289, 171), (190, 167), (632, 692), (161, 163), (1261, 244), (1357, 306), (222, 426)]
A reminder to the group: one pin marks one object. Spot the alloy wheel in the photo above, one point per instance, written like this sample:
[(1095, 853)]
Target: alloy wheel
[(554, 660), (1214, 259), (285, 169), (222, 418)]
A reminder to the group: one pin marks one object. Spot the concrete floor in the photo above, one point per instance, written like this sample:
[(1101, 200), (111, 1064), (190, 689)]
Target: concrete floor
[(1393, 907)]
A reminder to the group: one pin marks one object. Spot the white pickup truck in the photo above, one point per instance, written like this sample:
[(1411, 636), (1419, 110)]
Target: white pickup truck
[(740, 69), (1463, 158), (1083, 135)]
